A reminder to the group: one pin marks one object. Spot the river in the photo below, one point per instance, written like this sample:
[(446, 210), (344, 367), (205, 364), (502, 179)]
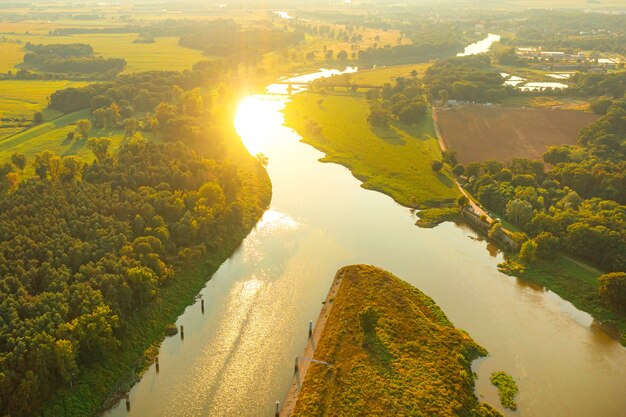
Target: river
[(237, 358)]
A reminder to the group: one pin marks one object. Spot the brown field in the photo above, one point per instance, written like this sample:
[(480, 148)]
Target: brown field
[(479, 133)]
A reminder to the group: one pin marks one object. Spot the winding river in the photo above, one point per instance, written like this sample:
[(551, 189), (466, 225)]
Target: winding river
[(237, 356)]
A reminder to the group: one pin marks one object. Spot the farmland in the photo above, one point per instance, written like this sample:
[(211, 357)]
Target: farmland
[(164, 54), (11, 54), (20, 99), (480, 133)]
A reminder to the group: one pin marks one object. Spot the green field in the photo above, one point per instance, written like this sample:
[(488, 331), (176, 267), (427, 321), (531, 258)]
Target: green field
[(390, 351), (395, 160), (53, 136), (11, 54), (164, 54), (20, 99)]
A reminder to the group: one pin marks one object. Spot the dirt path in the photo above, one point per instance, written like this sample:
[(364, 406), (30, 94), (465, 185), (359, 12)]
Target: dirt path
[(305, 359)]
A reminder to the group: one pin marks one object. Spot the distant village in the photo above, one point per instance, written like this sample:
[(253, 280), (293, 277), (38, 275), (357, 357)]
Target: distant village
[(559, 60)]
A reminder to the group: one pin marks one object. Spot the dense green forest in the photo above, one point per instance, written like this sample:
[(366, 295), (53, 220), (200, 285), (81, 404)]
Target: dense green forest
[(70, 59), (87, 245)]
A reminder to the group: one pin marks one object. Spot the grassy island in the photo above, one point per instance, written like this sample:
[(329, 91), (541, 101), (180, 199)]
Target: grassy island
[(391, 351)]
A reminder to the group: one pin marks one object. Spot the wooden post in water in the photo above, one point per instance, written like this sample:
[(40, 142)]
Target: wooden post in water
[(127, 402), (295, 368), (202, 305), (182, 332), (310, 329), (157, 364), (277, 412)]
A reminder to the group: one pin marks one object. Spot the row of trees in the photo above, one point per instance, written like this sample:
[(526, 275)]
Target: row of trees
[(404, 101), (70, 58)]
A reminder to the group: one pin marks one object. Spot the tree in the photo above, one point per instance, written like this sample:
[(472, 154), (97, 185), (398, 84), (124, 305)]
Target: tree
[(458, 170), (38, 118), (55, 166), (443, 97), (449, 157), (13, 180), (65, 356), (547, 245), (342, 55), (528, 253), (436, 166), (130, 127), (519, 212), (84, 127), (463, 201), (72, 168), (42, 163), (19, 160), (99, 147), (329, 54), (379, 117), (613, 289)]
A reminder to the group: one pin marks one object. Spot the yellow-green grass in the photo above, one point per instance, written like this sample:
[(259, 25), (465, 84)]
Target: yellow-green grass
[(20, 98), (576, 282), (11, 54), (390, 352), (165, 54), (395, 160), (546, 102), (52, 136)]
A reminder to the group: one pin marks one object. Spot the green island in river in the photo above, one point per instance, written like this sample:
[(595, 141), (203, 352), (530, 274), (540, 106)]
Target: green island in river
[(387, 349)]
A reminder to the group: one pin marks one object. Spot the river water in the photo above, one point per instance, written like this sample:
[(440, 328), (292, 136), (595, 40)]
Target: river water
[(237, 357)]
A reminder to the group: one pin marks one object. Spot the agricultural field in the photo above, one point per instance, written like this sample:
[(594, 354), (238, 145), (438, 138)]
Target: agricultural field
[(20, 99), (395, 160), (480, 132), (53, 136), (164, 54), (11, 54), (392, 352)]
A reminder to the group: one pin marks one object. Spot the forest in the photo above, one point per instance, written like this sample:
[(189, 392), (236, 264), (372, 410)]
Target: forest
[(70, 59), (85, 245)]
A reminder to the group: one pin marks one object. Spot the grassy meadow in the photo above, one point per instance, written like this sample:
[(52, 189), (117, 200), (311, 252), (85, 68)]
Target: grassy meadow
[(52, 136), (395, 160), (391, 351)]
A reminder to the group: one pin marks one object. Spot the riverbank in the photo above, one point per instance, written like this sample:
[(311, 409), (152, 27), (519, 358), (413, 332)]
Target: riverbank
[(304, 360), (387, 349), (395, 160), (573, 280), (102, 384)]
